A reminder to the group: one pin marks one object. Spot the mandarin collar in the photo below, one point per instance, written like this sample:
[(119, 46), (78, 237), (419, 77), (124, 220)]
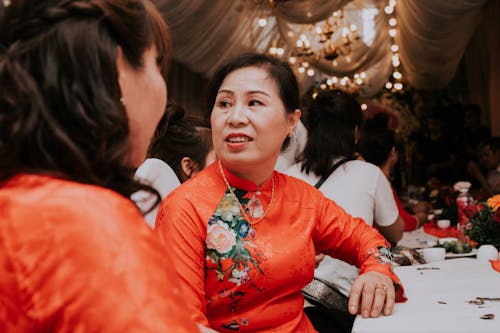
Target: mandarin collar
[(247, 185)]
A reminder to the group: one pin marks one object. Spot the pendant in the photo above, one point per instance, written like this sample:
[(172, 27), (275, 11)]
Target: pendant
[(255, 207)]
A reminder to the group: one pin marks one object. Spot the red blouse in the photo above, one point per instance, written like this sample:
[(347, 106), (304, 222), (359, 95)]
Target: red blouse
[(410, 221), (239, 276), (80, 258)]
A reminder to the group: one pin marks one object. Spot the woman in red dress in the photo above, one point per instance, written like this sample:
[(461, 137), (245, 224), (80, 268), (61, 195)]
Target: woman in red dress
[(244, 235)]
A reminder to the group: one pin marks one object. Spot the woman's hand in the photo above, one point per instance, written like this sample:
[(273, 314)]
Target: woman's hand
[(372, 293)]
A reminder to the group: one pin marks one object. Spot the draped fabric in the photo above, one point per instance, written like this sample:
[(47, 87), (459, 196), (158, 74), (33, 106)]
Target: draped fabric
[(432, 35), (307, 11)]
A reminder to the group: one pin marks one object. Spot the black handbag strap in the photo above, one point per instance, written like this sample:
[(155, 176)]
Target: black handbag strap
[(332, 169)]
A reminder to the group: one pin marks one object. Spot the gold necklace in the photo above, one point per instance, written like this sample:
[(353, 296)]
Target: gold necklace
[(238, 201)]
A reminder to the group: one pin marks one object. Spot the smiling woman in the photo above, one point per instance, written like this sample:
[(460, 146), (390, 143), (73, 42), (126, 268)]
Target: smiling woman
[(244, 235), (249, 122)]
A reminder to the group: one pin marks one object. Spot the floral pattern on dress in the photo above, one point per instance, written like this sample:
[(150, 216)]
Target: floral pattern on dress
[(228, 236), (383, 254)]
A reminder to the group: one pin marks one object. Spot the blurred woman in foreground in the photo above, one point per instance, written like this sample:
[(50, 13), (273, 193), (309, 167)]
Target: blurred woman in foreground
[(81, 93)]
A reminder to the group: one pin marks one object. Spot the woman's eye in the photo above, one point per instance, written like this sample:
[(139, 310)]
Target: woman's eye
[(224, 104), (254, 102)]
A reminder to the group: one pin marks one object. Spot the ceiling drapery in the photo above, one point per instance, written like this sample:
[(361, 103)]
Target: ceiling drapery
[(431, 36), (300, 11)]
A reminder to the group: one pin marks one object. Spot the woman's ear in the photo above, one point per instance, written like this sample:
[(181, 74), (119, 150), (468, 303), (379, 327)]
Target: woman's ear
[(393, 157), (188, 167), (293, 120), (122, 67)]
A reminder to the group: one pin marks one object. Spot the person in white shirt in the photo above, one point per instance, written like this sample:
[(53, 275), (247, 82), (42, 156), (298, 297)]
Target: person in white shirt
[(181, 147), (333, 124)]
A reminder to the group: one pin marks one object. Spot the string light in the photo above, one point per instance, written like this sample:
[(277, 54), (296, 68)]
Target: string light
[(395, 81)]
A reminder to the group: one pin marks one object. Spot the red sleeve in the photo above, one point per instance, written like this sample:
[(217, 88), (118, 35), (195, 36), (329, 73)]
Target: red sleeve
[(179, 226), (354, 241), (410, 221)]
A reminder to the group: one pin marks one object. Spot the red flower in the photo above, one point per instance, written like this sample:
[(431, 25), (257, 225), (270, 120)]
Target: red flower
[(496, 216), (471, 210)]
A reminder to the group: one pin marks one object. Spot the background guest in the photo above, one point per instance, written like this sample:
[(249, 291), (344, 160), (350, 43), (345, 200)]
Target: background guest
[(333, 124), (181, 147), (378, 146), (484, 169), (437, 150), (474, 132), (184, 143)]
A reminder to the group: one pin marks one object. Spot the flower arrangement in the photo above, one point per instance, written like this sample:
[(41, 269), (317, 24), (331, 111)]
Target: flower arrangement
[(462, 186), (442, 197), (483, 226)]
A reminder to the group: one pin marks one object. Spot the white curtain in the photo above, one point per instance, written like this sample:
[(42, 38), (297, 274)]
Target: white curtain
[(432, 35), (432, 38)]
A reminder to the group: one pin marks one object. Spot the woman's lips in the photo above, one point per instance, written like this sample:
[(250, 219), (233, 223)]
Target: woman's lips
[(237, 140)]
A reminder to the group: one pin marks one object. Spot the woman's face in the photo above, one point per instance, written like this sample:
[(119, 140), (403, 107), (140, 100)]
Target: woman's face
[(144, 94), (249, 121)]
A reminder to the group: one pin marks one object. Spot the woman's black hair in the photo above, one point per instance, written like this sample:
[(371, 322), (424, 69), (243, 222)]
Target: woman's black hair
[(331, 122), (281, 73), (376, 142), (60, 108), (178, 136)]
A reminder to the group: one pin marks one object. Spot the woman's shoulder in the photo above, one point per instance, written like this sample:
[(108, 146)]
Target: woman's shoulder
[(204, 185), (298, 188), (362, 166), (42, 189), (295, 171), (36, 199)]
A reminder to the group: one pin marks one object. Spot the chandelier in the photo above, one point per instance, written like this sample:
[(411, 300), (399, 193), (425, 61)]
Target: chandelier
[(335, 51), (325, 34)]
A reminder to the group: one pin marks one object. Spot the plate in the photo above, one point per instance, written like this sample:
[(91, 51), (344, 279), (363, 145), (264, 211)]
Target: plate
[(447, 239), (461, 255)]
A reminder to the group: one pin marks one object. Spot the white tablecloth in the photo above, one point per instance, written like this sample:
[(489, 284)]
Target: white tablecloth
[(438, 300)]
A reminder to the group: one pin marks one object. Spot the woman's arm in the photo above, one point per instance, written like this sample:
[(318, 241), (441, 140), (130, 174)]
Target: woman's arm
[(341, 236), (179, 228)]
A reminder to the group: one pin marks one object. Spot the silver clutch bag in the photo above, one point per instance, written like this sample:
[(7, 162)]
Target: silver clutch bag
[(322, 294)]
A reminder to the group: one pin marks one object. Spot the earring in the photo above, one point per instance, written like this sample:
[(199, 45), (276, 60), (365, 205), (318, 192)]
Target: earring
[(122, 100)]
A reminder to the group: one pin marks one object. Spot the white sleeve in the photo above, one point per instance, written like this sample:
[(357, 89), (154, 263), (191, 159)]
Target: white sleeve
[(160, 176)]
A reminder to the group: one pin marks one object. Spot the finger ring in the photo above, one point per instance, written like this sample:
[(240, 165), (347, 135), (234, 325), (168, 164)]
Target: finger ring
[(382, 287)]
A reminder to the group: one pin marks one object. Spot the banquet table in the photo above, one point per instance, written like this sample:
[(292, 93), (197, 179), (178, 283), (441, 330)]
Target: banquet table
[(439, 296)]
